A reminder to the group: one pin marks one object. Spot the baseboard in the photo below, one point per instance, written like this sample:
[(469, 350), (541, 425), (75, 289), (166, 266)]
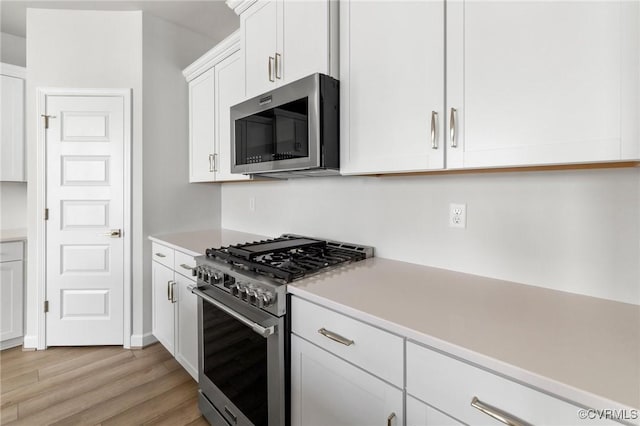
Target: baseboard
[(11, 343), (142, 340), (30, 342)]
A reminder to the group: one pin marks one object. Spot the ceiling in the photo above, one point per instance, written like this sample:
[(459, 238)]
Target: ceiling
[(210, 18)]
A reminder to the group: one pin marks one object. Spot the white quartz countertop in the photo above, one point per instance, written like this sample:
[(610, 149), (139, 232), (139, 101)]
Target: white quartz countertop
[(7, 235), (581, 348), (196, 242)]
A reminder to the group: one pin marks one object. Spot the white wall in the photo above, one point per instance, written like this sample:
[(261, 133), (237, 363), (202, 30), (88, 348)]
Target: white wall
[(13, 205), (79, 49), (13, 195), (13, 49), (171, 204), (575, 231)]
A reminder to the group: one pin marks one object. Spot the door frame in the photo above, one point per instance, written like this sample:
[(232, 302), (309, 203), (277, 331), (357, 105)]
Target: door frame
[(41, 188)]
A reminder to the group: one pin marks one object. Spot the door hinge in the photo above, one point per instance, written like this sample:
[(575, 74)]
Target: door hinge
[(46, 214), (46, 119), (46, 306)]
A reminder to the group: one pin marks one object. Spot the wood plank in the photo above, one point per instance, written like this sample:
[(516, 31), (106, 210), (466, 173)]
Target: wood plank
[(62, 381), (149, 350), (19, 381), (162, 404), (72, 364), (183, 414), (88, 382), (201, 421), (117, 397), (17, 366), (8, 414)]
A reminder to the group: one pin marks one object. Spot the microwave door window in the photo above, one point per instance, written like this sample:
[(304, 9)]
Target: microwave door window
[(256, 139), (291, 135)]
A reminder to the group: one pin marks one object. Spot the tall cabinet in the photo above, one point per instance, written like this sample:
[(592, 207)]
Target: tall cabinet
[(525, 83), (12, 152), (283, 41), (216, 82)]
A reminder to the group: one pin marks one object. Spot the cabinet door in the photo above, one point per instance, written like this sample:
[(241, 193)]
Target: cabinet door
[(186, 326), (420, 414), (326, 390), (202, 127), (163, 307), (391, 84), (305, 40), (542, 82), (11, 288), (12, 129), (259, 39), (229, 91)]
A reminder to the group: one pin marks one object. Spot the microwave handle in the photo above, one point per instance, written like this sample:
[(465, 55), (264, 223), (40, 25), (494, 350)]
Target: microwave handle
[(263, 331)]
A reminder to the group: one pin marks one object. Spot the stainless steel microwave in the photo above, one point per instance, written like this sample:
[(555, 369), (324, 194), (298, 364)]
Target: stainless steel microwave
[(292, 130)]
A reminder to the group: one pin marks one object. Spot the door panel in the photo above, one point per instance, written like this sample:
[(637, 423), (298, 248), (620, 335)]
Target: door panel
[(260, 43), (12, 129), (201, 127), (391, 81), (11, 290), (163, 326), (187, 326), (85, 198)]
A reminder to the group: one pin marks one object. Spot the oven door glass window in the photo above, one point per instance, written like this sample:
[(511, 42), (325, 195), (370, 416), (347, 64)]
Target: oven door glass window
[(235, 360), (279, 133)]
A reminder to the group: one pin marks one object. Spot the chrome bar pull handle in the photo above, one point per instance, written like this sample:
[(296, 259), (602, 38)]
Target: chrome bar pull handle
[(390, 418), (452, 128), (434, 130), (161, 255), (278, 65), (498, 414), (335, 337), (215, 162), (169, 290), (173, 292), (211, 160), (185, 266), (271, 59)]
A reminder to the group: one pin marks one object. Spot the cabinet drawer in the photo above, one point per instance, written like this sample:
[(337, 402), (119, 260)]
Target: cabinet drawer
[(162, 254), (372, 349), (184, 264), (450, 385), (10, 251)]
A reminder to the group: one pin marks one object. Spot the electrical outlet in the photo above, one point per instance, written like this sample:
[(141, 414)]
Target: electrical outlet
[(252, 204), (458, 215)]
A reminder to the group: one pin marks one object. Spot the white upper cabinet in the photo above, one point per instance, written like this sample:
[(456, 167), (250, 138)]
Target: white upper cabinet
[(391, 86), (12, 165), (285, 40), (216, 82), (527, 83), (542, 82)]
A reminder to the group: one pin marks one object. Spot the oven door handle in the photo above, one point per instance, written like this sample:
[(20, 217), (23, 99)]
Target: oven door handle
[(263, 331)]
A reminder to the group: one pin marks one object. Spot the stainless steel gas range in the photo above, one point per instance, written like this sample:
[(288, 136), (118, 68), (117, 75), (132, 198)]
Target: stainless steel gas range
[(242, 326)]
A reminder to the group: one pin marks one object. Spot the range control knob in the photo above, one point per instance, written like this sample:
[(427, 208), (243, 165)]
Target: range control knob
[(235, 290), (216, 277), (266, 299)]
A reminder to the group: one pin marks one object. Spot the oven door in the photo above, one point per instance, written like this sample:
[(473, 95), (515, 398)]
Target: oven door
[(242, 359)]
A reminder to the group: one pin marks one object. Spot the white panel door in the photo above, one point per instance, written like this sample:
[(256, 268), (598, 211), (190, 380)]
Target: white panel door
[(305, 41), (163, 315), (229, 91), (259, 39), (187, 325), (85, 194), (202, 128), (11, 129), (542, 82), (420, 414), (391, 86), (11, 290), (325, 390)]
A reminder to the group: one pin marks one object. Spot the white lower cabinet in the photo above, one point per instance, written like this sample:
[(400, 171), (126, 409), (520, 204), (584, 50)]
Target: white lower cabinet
[(451, 385), (11, 292), (326, 390), (175, 309), (337, 369)]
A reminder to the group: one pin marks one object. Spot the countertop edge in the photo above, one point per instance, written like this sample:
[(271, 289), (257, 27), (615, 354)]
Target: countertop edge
[(512, 372), (174, 246)]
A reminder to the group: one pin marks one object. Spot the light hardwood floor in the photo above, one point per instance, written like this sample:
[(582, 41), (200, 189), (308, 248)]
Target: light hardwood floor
[(96, 385)]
